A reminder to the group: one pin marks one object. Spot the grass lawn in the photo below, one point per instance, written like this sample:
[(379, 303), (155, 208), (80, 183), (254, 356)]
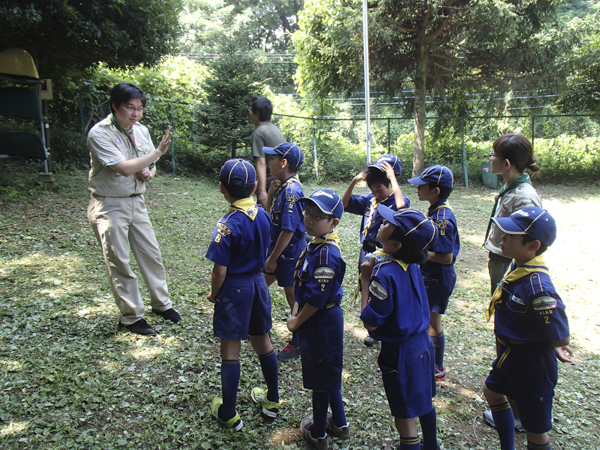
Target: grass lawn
[(69, 379)]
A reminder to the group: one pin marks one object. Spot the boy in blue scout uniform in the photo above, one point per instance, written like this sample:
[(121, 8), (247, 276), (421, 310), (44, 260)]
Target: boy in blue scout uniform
[(531, 328), (238, 289), (396, 312), (320, 321), (287, 229), (435, 185), (381, 180)]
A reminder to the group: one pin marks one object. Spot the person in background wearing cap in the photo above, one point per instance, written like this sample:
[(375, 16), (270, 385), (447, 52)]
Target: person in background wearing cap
[(264, 135), (122, 158), (396, 312), (319, 320), (241, 296), (435, 185), (381, 180), (531, 329), (511, 157), (287, 229)]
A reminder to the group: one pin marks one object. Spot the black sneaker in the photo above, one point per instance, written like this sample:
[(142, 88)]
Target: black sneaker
[(290, 351), (139, 327), (369, 341), (169, 314)]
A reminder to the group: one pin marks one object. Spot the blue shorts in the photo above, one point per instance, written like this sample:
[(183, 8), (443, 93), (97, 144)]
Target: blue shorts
[(528, 375), (322, 349), (407, 368), (243, 307), (439, 284), (285, 271)]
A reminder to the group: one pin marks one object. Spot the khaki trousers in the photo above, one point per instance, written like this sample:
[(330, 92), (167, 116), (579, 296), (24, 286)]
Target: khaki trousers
[(121, 224)]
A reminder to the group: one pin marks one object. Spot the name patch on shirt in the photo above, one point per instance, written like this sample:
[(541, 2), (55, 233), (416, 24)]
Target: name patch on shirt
[(324, 273), (544, 303), (378, 290), (441, 225)]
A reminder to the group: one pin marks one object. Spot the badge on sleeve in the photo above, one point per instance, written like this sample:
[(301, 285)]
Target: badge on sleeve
[(223, 229), (441, 225), (324, 273), (377, 290), (543, 303)]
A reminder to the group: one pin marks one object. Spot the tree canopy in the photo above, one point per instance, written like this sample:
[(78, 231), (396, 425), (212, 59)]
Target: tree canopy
[(73, 34), (433, 46)]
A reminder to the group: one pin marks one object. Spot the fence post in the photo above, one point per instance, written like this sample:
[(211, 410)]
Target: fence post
[(172, 139), (464, 153), (315, 149), (533, 133), (389, 137)]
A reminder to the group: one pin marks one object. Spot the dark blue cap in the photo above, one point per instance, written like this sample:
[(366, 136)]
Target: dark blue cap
[(534, 221), (392, 160), (413, 224), (327, 201), (238, 169), (439, 175), (289, 151)]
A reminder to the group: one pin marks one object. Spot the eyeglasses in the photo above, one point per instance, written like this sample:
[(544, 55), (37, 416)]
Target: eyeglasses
[(131, 108), (316, 217)]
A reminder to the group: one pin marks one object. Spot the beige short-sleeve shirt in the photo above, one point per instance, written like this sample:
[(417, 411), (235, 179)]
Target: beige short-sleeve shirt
[(108, 146)]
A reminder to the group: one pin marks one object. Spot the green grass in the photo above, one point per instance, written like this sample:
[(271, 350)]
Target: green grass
[(68, 379)]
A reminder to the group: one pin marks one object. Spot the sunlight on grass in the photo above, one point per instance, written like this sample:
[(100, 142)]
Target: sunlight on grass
[(13, 428)]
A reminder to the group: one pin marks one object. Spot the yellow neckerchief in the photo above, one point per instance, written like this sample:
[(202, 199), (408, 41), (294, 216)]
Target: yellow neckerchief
[(245, 205), (537, 264), (441, 206), (318, 242), (374, 204), (386, 257), (292, 179)]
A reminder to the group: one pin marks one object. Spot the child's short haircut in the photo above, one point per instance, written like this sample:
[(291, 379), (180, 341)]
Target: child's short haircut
[(542, 249), (291, 167), (375, 175), (444, 191), (288, 151), (410, 253), (237, 190)]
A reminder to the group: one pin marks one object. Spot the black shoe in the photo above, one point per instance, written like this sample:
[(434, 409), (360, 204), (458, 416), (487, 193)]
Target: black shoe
[(139, 327), (290, 351), (369, 341), (169, 314)]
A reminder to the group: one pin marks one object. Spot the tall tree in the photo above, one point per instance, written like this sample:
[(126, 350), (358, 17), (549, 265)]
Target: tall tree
[(429, 46), (223, 116), (74, 34)]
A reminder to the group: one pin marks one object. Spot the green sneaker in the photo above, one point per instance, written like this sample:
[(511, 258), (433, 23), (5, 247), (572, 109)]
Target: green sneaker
[(235, 422), (269, 408)]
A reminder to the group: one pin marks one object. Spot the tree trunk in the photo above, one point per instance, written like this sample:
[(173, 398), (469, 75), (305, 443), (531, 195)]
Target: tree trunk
[(233, 148), (420, 91)]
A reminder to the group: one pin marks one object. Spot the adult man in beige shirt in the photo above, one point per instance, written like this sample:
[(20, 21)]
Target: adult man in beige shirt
[(122, 159)]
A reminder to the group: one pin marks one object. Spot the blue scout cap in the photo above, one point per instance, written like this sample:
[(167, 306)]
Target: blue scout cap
[(238, 169), (412, 223), (440, 175), (534, 221), (289, 151), (392, 160), (327, 201)]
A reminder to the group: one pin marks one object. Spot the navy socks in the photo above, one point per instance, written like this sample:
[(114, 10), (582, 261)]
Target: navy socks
[(410, 443), (337, 408), (320, 407), (429, 428), (270, 370), (505, 425), (230, 379), (439, 344)]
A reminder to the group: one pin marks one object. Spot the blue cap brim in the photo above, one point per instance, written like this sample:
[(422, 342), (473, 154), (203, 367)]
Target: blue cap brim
[(270, 150), (318, 204), (418, 181), (387, 213), (507, 225)]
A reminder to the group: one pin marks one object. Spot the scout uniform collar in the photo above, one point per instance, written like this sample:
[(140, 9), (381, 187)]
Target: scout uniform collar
[(245, 205), (374, 203), (380, 257), (292, 179), (503, 190), (514, 273), (129, 135), (316, 244), (437, 206)]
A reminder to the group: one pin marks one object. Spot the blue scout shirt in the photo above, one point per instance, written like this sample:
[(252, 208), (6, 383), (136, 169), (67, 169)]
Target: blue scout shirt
[(527, 307), (320, 273), (286, 214), (241, 238), (397, 303), (367, 207), (448, 239)]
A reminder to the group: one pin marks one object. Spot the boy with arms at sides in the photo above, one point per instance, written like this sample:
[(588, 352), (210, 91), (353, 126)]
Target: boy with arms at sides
[(381, 180), (287, 229), (435, 185), (241, 296), (319, 319), (531, 328), (396, 312)]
